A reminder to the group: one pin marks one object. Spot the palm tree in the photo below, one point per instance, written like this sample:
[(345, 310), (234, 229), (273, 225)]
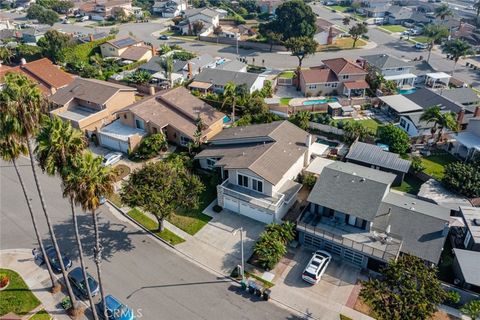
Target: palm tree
[(87, 182), (434, 32), (432, 114), (166, 64), (441, 121), (10, 151), (302, 119), (447, 121), (443, 11), (6, 54), (58, 145), (230, 96), (456, 49), (25, 105)]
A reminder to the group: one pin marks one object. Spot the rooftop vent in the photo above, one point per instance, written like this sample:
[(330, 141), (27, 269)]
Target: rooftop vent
[(476, 222), (362, 179)]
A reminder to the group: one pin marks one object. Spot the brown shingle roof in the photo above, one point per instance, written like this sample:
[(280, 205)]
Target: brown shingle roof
[(135, 53), (92, 90), (359, 84), (342, 66), (318, 75), (176, 107)]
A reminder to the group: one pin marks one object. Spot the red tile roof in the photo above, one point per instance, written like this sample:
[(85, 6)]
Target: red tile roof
[(360, 84), (342, 66), (318, 75)]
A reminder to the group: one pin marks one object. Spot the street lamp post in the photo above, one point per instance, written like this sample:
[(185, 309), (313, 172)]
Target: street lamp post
[(241, 250)]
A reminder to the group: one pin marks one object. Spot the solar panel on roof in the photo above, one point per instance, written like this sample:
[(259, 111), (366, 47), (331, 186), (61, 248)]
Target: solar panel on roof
[(124, 42)]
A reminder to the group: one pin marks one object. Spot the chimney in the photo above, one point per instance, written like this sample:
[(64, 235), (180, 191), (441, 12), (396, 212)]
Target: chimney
[(330, 36), (389, 229), (151, 90), (446, 228), (460, 116), (91, 37), (190, 75), (477, 112), (154, 52), (23, 61), (308, 155)]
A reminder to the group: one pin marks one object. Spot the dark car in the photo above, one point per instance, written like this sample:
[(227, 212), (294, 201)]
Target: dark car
[(78, 281), (116, 310), (52, 257), (164, 37)]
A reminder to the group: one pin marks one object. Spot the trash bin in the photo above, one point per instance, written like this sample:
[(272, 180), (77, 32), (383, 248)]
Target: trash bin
[(258, 291), (251, 286), (266, 294), (243, 284)]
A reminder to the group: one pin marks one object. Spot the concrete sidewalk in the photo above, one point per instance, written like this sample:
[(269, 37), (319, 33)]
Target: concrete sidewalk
[(37, 279)]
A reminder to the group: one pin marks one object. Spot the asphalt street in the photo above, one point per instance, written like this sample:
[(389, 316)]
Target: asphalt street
[(156, 282)]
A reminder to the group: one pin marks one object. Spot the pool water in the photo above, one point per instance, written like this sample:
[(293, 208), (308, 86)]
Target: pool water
[(318, 101), (328, 143), (226, 119), (406, 91)]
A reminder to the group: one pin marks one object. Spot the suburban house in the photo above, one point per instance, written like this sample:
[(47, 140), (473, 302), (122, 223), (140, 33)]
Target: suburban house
[(169, 8), (408, 16), (127, 48), (353, 213), (466, 144), (216, 79), (377, 12), (336, 76), (471, 218), (465, 268), (372, 156), (393, 69), (413, 126), (268, 5), (233, 65), (89, 104), (106, 9), (464, 96), (48, 77), (327, 33), (174, 112), (85, 38), (208, 17), (32, 35), (258, 165)]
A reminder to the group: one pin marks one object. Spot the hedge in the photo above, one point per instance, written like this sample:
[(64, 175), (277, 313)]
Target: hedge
[(82, 52)]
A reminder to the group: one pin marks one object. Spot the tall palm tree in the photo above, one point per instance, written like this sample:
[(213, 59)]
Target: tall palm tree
[(434, 32), (89, 180), (441, 121), (26, 105), (10, 151), (432, 115), (58, 145), (166, 63), (230, 96), (443, 11), (447, 121), (456, 49)]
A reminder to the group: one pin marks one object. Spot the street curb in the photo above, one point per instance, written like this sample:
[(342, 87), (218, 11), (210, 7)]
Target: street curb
[(307, 316)]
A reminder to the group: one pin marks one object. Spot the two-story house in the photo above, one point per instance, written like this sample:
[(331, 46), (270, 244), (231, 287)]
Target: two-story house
[(174, 112), (258, 165), (127, 48), (466, 144), (392, 69), (336, 76), (169, 8), (208, 17), (90, 104), (353, 213)]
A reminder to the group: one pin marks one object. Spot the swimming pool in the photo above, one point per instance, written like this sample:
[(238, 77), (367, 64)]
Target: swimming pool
[(332, 144), (319, 101), (226, 119), (406, 91)]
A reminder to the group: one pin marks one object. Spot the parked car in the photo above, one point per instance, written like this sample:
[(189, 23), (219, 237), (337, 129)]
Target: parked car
[(83, 19), (115, 309), (164, 37), (52, 257), (421, 46), (316, 266), (78, 281), (111, 158)]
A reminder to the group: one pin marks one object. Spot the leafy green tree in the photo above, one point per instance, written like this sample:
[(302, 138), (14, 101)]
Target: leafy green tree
[(301, 119), (273, 38), (197, 27), (346, 21), (395, 138), (230, 97), (463, 178), (284, 232), (457, 48), (294, 19), (357, 31), (42, 15), (407, 289), (355, 130), (53, 44), (308, 180), (301, 47), (355, 6), (267, 90), (472, 309), (417, 165), (121, 15), (183, 55), (443, 11), (435, 33), (217, 31), (28, 52), (6, 54), (139, 76), (166, 63), (151, 146), (269, 249), (162, 187)]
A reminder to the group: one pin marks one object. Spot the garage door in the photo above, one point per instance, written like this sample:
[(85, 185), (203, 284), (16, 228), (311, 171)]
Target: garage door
[(230, 204), (114, 144), (247, 210)]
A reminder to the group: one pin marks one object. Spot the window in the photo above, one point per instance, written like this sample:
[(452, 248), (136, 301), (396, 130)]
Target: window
[(402, 122), (184, 140), (155, 130), (345, 77), (139, 124), (125, 116), (312, 86), (399, 69), (327, 84), (211, 162), (334, 85), (257, 185), (243, 180)]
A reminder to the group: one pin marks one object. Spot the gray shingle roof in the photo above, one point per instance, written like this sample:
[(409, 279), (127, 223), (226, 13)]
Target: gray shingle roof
[(351, 188), (385, 61), (374, 155), (420, 224), (469, 262), (461, 95), (268, 150), (427, 98), (221, 77), (470, 215), (153, 65)]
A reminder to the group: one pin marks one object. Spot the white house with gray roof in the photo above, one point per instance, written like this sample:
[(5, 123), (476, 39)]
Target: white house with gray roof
[(258, 165), (216, 79), (392, 68), (353, 213)]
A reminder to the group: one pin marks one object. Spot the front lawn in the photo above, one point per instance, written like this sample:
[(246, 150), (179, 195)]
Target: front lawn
[(421, 39), (285, 101), (435, 164), (192, 220), (393, 28), (339, 8), (41, 315), (371, 124), (121, 171), (410, 184), (17, 297), (152, 226), (345, 43), (287, 74)]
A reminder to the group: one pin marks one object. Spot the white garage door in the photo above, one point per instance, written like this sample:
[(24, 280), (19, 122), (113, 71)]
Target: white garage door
[(114, 144), (247, 210), (230, 204)]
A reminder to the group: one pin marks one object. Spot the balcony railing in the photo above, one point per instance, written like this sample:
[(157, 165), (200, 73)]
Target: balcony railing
[(375, 244), (253, 197)]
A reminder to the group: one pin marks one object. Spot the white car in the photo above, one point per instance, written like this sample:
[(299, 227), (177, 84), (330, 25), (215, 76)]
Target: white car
[(421, 46), (111, 158), (316, 266)]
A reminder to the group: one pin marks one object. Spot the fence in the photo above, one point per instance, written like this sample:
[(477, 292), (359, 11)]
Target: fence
[(326, 128), (243, 44), (465, 295)]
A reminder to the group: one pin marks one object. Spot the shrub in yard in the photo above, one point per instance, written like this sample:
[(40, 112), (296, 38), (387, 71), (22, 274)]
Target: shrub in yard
[(417, 165), (151, 146), (308, 180), (183, 55), (453, 297), (271, 246), (463, 178), (472, 309), (216, 208)]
